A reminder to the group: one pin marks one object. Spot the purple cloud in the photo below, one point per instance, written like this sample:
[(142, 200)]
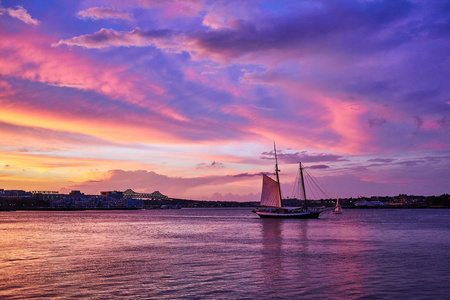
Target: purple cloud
[(382, 160), (318, 167), (376, 122)]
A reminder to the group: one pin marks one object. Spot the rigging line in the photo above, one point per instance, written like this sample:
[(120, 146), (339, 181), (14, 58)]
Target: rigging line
[(317, 193), (322, 190), (312, 188), (326, 194), (318, 185)]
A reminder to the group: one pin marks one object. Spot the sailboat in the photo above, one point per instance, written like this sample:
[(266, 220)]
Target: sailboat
[(270, 204), (337, 209)]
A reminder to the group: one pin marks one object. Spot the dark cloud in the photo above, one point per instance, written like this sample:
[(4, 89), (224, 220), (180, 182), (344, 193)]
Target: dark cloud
[(248, 175), (212, 165), (418, 121), (340, 23), (332, 25), (376, 122), (318, 167), (161, 33), (297, 157), (410, 163), (444, 122), (382, 160)]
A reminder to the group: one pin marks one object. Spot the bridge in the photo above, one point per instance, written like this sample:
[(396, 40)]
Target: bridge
[(156, 195)]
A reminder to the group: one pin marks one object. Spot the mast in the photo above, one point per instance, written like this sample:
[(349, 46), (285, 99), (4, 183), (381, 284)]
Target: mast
[(276, 169), (303, 183)]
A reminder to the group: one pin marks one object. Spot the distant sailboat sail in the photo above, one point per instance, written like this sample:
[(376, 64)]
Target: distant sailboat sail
[(338, 208), (270, 195)]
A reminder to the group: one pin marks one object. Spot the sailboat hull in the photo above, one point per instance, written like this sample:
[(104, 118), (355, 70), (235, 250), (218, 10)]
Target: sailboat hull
[(299, 215)]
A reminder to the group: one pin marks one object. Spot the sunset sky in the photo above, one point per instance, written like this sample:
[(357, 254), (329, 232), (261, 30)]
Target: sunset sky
[(187, 97)]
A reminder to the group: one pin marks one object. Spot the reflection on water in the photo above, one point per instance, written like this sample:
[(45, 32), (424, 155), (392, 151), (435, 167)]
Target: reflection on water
[(301, 258), (223, 254), (272, 255)]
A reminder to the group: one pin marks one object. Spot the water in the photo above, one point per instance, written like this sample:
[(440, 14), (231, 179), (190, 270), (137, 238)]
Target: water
[(224, 254)]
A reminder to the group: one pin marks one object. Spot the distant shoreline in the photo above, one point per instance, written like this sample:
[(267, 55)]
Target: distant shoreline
[(20, 200), (203, 207)]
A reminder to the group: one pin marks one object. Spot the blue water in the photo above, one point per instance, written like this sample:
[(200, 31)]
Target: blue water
[(225, 254)]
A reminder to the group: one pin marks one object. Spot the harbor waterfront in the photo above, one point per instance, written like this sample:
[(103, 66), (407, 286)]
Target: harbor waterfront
[(111, 200), (208, 253)]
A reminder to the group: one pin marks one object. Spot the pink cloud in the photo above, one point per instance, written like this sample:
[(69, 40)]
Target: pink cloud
[(29, 57), (262, 126), (97, 13), (5, 89), (219, 19), (182, 8), (430, 124), (167, 8), (327, 119), (21, 14), (345, 120)]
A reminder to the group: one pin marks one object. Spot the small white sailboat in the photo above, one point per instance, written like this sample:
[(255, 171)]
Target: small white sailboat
[(270, 205), (337, 209)]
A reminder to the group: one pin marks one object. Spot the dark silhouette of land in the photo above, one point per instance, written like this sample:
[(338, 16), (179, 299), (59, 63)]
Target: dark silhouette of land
[(113, 200)]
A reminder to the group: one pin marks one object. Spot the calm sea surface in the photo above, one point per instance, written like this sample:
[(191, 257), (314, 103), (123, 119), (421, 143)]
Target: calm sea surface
[(225, 254)]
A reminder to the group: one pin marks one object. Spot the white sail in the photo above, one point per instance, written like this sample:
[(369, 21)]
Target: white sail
[(270, 195), (337, 208)]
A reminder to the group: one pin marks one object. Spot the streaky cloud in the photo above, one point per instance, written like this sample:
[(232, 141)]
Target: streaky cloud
[(105, 38), (212, 165), (382, 160), (97, 13), (60, 138), (318, 167), (302, 156)]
